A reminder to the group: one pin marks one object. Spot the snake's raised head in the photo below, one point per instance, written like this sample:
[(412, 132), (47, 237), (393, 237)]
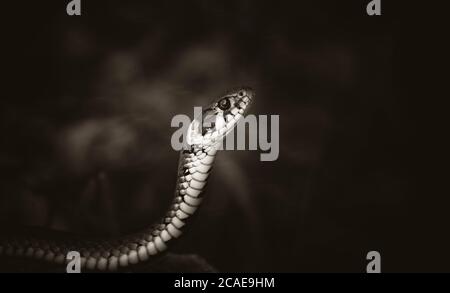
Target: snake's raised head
[(220, 118)]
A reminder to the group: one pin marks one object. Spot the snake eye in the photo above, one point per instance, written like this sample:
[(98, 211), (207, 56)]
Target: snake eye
[(224, 104), (241, 93)]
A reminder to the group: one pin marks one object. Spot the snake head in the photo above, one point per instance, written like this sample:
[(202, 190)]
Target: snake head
[(219, 119)]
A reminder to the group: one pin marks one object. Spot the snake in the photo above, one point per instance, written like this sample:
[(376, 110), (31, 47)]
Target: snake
[(204, 136)]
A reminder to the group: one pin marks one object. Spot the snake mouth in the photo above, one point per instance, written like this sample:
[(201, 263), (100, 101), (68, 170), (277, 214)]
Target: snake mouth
[(244, 99), (248, 92), (243, 104)]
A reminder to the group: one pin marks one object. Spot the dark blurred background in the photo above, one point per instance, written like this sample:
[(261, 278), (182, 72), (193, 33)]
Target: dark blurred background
[(86, 111)]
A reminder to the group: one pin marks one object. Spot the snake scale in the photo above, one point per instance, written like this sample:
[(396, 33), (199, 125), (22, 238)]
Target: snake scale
[(195, 164)]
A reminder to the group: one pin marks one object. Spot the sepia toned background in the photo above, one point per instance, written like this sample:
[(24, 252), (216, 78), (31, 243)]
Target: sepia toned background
[(86, 128)]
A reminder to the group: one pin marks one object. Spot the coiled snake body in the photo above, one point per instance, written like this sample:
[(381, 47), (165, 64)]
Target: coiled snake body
[(195, 164)]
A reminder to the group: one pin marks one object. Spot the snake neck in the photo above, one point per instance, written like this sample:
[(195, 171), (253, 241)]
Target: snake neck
[(109, 255)]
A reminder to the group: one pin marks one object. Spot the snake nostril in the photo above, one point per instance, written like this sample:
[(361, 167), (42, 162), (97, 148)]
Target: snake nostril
[(247, 92)]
